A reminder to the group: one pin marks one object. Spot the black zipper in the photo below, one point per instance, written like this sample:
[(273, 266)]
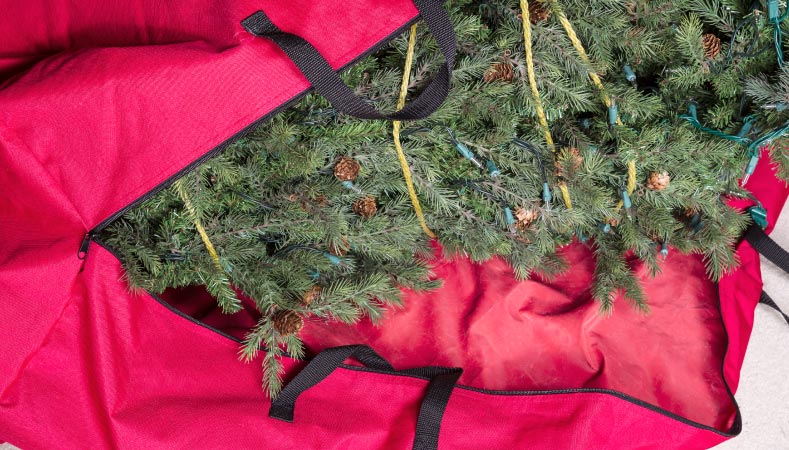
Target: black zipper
[(85, 245), (735, 429), (93, 233)]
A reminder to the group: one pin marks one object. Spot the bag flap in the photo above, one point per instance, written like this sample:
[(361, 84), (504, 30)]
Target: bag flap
[(103, 102)]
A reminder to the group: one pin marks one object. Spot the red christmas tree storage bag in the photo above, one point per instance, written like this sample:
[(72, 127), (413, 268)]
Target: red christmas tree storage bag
[(103, 103)]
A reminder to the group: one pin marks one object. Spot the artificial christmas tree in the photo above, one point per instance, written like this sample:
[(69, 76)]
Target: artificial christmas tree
[(598, 96)]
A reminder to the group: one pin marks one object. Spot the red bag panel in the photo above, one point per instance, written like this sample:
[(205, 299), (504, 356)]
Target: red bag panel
[(33, 241), (110, 124), (739, 291), (123, 371), (86, 129)]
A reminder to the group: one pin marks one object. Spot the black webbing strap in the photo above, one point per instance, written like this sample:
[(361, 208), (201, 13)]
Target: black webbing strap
[(770, 249), (428, 425), (317, 370), (765, 299), (431, 412), (329, 84), (767, 247)]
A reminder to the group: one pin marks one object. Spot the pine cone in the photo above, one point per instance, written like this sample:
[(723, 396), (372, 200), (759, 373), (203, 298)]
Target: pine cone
[(525, 217), (346, 169), (365, 207), (658, 181), (574, 161), (287, 322), (538, 12), (500, 71), (312, 295), (711, 45), (613, 221), (690, 217)]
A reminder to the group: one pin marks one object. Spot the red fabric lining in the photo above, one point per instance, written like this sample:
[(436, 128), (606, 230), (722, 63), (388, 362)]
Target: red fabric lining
[(539, 335)]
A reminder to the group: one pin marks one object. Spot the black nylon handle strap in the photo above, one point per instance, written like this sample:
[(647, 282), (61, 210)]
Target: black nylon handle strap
[(329, 84), (317, 370), (767, 247), (765, 299), (431, 411)]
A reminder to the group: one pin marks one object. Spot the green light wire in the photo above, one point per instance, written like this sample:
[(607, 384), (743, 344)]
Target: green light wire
[(768, 137), (751, 144), (693, 119), (778, 38), (776, 20)]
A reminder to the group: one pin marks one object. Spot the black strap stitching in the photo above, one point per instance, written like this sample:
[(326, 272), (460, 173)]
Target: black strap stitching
[(431, 411), (329, 84)]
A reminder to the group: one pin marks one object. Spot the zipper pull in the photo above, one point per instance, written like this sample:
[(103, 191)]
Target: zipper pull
[(83, 248)]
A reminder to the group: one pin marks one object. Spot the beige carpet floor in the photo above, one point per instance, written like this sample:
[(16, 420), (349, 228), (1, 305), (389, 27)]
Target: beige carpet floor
[(763, 394)]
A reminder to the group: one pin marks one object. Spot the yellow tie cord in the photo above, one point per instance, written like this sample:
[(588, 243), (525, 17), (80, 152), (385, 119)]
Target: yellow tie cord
[(199, 226), (532, 79), (631, 181), (546, 132), (568, 28), (409, 59)]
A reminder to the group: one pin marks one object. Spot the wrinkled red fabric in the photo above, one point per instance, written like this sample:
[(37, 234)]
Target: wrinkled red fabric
[(541, 335), (549, 334), (100, 102)]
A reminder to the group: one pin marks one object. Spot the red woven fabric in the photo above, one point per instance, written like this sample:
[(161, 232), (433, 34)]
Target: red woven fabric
[(100, 102)]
